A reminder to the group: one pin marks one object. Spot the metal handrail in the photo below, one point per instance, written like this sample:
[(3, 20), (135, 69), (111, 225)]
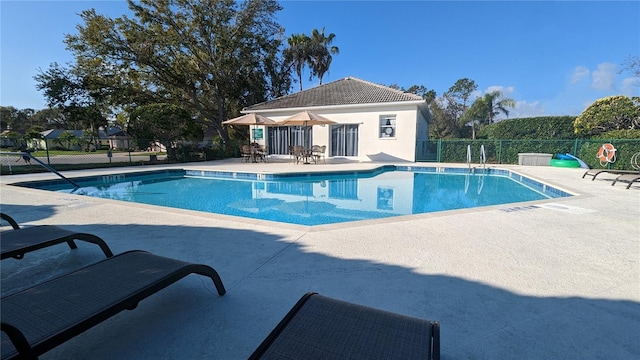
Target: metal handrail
[(43, 164), (483, 157)]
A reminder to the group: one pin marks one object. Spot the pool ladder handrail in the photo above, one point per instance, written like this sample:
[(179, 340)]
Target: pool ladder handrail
[(483, 158), (43, 165)]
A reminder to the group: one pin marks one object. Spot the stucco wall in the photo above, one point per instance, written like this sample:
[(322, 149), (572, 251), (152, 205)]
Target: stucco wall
[(370, 145)]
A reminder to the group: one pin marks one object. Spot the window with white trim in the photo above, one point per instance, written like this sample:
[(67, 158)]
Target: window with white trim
[(387, 126)]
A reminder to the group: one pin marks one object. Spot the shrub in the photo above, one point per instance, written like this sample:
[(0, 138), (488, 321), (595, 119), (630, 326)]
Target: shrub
[(620, 134), (609, 113), (538, 128)]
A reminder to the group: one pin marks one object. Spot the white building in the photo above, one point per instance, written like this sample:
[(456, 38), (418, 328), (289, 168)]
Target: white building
[(373, 122)]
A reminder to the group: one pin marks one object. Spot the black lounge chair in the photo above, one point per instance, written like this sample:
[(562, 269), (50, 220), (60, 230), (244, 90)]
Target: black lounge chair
[(15, 243), (627, 178), (37, 319), (318, 327), (595, 172)]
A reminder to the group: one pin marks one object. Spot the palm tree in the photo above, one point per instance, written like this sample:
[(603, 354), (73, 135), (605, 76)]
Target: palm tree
[(497, 104), (298, 53), (321, 51), (485, 109)]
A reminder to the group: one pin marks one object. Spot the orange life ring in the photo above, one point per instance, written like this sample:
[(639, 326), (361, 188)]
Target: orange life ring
[(607, 153)]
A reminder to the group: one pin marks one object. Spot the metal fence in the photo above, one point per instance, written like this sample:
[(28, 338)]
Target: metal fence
[(506, 151), (449, 151), (62, 158)]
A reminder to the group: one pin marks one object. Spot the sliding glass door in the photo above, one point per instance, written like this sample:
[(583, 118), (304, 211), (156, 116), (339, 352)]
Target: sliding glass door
[(281, 137), (344, 140)]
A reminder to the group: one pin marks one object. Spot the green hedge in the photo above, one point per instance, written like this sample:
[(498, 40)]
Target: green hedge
[(533, 128)]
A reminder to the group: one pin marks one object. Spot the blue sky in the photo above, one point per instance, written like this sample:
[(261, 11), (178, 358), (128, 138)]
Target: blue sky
[(553, 58)]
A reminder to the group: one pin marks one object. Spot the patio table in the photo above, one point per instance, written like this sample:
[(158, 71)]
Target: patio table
[(307, 155)]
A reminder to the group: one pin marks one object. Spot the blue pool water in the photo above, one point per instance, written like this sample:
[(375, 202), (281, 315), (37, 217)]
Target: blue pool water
[(314, 199)]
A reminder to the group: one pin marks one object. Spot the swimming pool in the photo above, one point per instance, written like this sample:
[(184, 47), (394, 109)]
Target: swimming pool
[(314, 199)]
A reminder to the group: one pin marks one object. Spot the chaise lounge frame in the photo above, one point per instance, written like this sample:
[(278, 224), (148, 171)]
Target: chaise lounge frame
[(595, 172), (16, 243), (627, 178), (319, 327), (37, 319)]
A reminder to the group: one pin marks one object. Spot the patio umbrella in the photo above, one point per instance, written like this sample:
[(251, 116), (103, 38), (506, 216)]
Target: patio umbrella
[(306, 118), (250, 119)]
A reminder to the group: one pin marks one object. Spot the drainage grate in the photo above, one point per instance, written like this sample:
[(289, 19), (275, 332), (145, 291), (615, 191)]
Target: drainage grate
[(520, 208)]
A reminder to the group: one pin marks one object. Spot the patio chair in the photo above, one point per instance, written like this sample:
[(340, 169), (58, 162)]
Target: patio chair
[(627, 178), (15, 243), (246, 152), (38, 319), (298, 153), (292, 153), (595, 172), (262, 153), (319, 327), (318, 153)]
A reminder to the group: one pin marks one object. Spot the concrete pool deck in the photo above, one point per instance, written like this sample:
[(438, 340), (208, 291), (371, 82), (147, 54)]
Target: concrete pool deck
[(559, 280)]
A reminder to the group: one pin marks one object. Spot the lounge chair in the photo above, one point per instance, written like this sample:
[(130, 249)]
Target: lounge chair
[(15, 243), (10, 220), (37, 319), (318, 327), (595, 172), (627, 178)]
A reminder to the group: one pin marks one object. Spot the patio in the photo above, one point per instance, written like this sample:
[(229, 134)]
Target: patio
[(559, 280)]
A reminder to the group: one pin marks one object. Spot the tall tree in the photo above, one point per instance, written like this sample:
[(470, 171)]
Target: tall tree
[(66, 89), (444, 112), (321, 52), (19, 120), (8, 117), (461, 91), (212, 57), (422, 91), (50, 118), (485, 109), (164, 123), (497, 104), (298, 53), (457, 103)]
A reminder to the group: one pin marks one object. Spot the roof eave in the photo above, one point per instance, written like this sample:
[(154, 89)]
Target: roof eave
[(331, 107)]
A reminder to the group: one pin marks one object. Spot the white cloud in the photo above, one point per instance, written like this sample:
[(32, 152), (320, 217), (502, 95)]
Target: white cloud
[(631, 86), (527, 109), (524, 109), (506, 90), (579, 73), (603, 77)]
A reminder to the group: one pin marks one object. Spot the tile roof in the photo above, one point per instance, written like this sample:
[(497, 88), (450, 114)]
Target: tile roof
[(345, 91)]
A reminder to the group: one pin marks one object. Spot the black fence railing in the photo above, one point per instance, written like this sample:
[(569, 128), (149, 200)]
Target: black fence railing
[(60, 157)]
